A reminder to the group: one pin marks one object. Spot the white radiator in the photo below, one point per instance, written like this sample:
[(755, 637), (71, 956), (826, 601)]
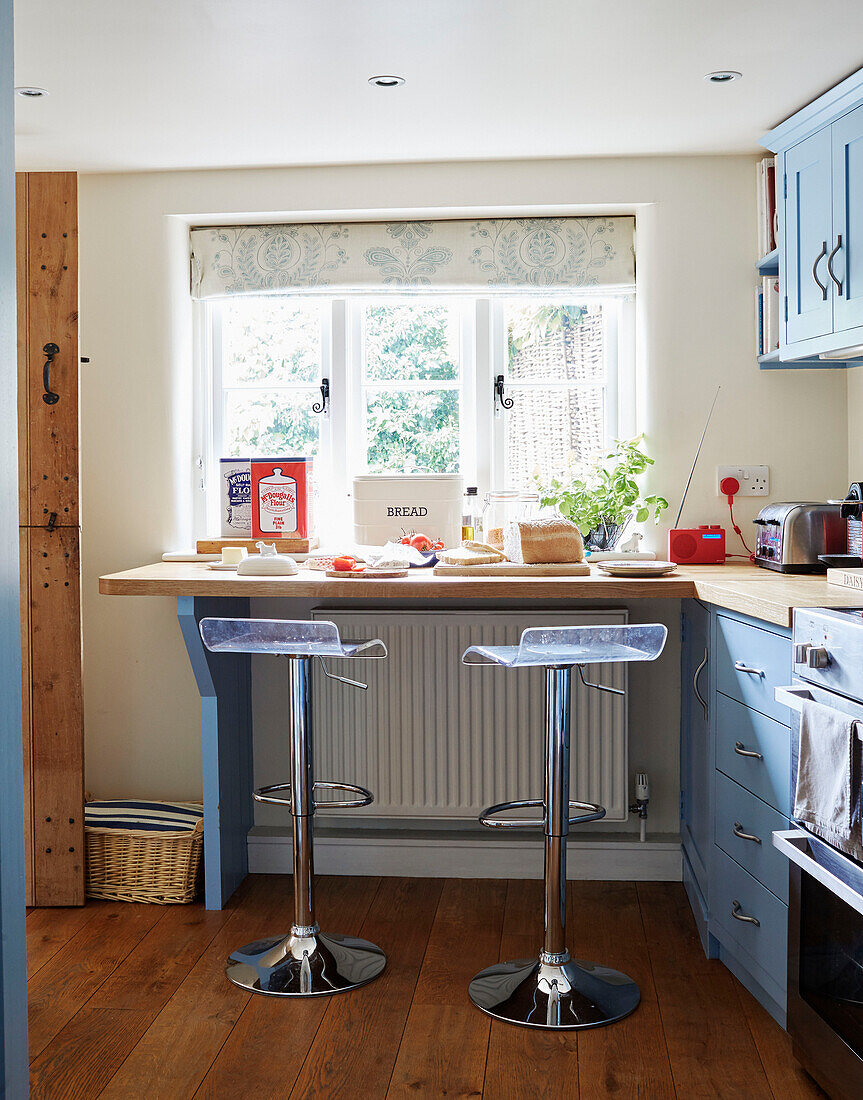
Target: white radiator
[(433, 738)]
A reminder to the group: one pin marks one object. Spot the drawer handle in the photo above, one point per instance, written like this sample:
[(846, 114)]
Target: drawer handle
[(738, 915), (738, 831), (741, 667), (742, 751)]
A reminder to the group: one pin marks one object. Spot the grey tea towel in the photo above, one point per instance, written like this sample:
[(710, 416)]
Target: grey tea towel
[(828, 777)]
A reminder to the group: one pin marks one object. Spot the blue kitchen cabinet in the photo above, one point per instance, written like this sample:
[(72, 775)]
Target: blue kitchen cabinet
[(696, 759), (847, 264), (808, 238), (820, 242), (735, 773)]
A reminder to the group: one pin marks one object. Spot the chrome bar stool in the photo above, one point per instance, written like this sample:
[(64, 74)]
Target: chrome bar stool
[(305, 962), (555, 990)]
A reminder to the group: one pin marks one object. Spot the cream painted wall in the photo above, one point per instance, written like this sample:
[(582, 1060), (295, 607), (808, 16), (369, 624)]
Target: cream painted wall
[(696, 241), (854, 383)]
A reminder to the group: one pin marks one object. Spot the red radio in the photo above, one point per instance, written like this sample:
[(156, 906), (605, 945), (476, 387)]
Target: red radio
[(704, 545)]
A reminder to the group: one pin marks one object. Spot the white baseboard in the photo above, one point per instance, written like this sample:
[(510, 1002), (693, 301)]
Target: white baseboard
[(451, 855)]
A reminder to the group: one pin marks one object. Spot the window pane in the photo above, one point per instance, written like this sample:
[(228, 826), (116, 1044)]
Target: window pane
[(269, 424), (554, 342), (411, 431), (270, 341), (546, 428), (412, 340)]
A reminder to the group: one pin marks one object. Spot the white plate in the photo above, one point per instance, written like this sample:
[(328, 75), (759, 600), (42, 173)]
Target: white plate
[(223, 566), (637, 568)]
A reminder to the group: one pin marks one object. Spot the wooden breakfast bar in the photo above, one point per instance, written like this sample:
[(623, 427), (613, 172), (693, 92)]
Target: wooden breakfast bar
[(224, 680)]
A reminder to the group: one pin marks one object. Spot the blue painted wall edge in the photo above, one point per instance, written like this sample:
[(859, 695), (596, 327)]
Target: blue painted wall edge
[(13, 955)]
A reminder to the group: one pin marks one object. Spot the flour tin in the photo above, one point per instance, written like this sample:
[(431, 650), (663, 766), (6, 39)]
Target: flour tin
[(282, 497), (386, 506), (235, 483)]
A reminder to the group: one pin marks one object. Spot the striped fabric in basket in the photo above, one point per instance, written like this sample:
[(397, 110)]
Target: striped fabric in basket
[(155, 817), (144, 851)]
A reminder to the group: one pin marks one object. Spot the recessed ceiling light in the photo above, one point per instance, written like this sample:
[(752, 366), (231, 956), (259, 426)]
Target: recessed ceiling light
[(28, 92), (724, 76), (386, 81)]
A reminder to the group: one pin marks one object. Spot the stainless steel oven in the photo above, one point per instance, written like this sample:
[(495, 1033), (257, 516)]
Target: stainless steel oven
[(825, 904)]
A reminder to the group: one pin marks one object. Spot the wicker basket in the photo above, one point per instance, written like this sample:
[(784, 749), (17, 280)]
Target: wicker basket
[(137, 865)]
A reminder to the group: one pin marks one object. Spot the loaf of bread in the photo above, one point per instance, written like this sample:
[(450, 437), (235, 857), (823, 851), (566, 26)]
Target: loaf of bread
[(544, 541)]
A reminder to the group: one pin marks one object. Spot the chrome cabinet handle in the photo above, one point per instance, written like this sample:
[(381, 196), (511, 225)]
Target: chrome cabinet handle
[(830, 259), (698, 694), (738, 915), (741, 751), (738, 831), (741, 667), (821, 286)]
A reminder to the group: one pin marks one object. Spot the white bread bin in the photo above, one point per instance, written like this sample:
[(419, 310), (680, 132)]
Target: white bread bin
[(385, 505)]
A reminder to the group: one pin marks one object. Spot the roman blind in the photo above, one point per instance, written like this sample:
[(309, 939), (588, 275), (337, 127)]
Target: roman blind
[(485, 256)]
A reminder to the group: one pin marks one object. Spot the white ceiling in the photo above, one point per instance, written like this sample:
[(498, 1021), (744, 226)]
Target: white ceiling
[(150, 84)]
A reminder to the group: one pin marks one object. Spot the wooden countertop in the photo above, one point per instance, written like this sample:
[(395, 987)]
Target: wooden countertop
[(760, 593)]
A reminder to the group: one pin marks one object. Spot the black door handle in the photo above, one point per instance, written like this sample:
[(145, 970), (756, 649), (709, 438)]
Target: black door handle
[(49, 397)]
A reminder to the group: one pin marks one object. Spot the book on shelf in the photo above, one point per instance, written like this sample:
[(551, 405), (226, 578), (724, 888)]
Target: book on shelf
[(770, 314), (759, 319), (766, 205)]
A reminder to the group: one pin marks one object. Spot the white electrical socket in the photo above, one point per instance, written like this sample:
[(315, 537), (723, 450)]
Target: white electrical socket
[(754, 480)]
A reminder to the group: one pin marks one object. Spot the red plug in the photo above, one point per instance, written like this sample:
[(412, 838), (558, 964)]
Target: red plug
[(729, 486)]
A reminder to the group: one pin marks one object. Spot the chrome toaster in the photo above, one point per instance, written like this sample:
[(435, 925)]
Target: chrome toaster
[(792, 536)]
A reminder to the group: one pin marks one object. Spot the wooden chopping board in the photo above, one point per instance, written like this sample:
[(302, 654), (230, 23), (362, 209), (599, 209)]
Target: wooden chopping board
[(283, 546), (515, 569)]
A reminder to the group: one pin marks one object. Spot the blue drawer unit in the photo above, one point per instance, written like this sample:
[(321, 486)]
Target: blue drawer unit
[(752, 923), (755, 751), (750, 662), (743, 828)]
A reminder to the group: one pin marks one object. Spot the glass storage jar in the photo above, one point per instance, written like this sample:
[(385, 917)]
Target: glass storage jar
[(502, 506)]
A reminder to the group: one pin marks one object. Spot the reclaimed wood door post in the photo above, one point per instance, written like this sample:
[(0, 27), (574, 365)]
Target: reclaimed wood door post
[(48, 359)]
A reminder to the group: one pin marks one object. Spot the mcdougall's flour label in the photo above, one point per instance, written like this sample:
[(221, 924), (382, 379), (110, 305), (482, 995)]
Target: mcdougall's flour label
[(281, 497), (236, 497)]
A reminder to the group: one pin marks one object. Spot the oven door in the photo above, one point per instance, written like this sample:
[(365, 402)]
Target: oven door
[(825, 962), (825, 939)]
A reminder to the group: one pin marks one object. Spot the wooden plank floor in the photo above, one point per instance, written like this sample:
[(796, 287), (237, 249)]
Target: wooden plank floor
[(132, 1001)]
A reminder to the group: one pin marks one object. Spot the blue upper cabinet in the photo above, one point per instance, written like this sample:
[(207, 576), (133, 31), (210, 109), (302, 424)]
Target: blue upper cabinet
[(846, 268), (820, 201), (808, 237)]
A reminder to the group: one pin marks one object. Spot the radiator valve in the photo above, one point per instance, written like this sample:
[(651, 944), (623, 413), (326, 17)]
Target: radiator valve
[(642, 797)]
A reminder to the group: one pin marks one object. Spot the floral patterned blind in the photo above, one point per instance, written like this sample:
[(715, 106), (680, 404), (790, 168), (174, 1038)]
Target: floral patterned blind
[(488, 256)]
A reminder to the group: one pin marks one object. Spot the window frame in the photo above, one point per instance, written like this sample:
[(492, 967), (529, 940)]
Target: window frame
[(482, 425)]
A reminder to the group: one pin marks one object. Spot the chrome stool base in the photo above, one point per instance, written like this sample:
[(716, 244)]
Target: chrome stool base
[(308, 965), (566, 996)]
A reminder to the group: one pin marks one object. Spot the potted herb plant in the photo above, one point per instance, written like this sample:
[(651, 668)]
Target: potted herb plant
[(602, 500)]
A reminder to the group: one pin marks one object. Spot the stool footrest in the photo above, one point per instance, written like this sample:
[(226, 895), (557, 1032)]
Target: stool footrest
[(364, 797), (594, 812)]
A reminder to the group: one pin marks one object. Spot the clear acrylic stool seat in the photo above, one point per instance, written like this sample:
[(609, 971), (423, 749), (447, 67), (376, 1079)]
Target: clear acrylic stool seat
[(305, 962), (554, 990)]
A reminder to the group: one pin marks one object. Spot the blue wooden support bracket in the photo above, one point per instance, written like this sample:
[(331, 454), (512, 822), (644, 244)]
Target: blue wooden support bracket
[(224, 684)]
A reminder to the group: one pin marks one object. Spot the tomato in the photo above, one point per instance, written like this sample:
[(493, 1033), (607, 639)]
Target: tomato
[(406, 541), (344, 564), (439, 545), (421, 542)]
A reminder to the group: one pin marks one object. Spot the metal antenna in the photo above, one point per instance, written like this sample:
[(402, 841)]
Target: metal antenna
[(697, 453)]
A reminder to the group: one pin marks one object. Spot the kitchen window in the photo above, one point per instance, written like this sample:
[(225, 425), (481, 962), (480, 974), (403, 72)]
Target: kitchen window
[(412, 385)]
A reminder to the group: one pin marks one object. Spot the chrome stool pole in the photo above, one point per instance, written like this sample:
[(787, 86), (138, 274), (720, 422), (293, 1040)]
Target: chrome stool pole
[(554, 990), (306, 962)]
